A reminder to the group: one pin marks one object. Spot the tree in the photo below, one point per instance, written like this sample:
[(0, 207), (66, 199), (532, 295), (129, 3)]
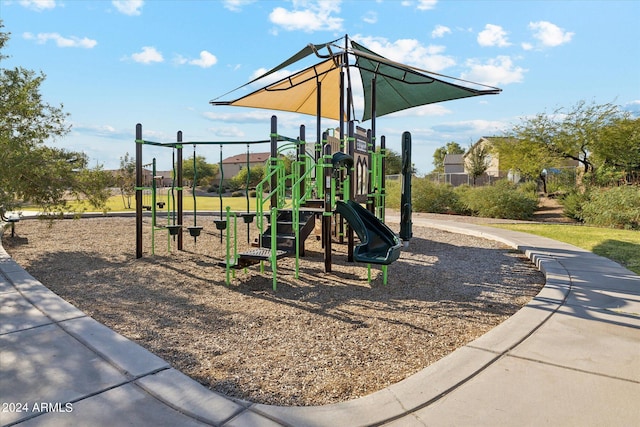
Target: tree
[(620, 147), (526, 157), (256, 174), (205, 171), (126, 179), (441, 152), (393, 163), (31, 170), (477, 160), (571, 134)]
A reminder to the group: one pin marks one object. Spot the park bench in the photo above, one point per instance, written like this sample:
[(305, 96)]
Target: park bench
[(10, 219)]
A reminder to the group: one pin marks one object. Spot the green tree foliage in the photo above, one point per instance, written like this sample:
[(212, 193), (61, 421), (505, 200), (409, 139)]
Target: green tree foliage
[(206, 172), (619, 147), (440, 153), (126, 179), (31, 171), (574, 133), (393, 163), (478, 160), (256, 174)]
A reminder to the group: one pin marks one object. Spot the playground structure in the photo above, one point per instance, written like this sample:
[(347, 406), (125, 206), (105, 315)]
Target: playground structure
[(323, 183)]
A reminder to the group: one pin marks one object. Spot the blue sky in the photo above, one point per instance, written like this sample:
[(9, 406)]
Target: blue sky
[(113, 64)]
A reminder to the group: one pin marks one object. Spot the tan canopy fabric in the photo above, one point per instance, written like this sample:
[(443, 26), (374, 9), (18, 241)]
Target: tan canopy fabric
[(298, 93)]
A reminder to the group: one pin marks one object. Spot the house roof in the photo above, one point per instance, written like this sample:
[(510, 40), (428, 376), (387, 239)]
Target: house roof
[(453, 159), (242, 158)]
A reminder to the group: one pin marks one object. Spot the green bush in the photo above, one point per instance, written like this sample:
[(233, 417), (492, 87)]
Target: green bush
[(428, 196), (502, 200), (616, 207), (237, 194), (573, 203), (392, 191)]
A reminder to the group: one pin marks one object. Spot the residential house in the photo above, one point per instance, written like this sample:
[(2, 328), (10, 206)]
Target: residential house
[(231, 166)]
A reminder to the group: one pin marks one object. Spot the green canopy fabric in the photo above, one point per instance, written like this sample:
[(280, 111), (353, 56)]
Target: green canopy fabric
[(399, 87)]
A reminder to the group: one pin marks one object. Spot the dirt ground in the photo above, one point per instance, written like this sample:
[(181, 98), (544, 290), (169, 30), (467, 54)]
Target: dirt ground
[(320, 338)]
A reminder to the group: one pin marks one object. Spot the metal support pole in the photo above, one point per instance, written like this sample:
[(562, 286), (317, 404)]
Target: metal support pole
[(328, 208), (179, 179), (302, 159), (274, 161), (405, 195), (350, 151), (139, 190), (381, 179)]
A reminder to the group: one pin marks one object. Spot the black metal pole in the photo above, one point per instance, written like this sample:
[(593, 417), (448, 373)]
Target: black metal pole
[(350, 151), (138, 190), (405, 196), (301, 158), (326, 218), (179, 179), (274, 161)]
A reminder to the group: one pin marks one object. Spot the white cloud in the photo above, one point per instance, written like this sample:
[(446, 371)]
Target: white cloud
[(72, 41), (440, 31), (494, 72), (271, 78), (493, 35), (236, 5), (550, 35), (206, 60), (308, 16), (472, 127), (38, 5), (427, 4), (129, 7), (410, 52), (430, 110), (370, 17), (104, 131), (421, 4), (148, 55)]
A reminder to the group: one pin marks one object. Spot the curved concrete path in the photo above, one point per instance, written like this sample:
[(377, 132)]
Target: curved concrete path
[(569, 357)]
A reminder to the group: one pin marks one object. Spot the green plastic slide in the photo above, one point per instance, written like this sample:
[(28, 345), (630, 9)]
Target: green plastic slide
[(378, 243)]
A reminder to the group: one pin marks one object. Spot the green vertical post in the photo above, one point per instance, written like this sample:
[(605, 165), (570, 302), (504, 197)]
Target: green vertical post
[(274, 247), (153, 209), (228, 246)]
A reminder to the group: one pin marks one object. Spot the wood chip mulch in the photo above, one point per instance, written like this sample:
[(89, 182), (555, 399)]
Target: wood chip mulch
[(319, 339)]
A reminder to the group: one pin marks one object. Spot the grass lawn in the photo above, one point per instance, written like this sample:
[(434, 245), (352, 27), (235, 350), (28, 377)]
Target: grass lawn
[(622, 246), (203, 203)]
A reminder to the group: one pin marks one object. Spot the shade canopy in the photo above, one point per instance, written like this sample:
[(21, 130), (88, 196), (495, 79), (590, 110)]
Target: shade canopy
[(298, 93), (387, 85)]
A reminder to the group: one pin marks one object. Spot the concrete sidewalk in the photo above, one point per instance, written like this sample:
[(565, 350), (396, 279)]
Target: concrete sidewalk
[(570, 357)]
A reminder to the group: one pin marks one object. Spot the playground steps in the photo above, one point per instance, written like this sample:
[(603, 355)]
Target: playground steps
[(252, 257), (285, 232)]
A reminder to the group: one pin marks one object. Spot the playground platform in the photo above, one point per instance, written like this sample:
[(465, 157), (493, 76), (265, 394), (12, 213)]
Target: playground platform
[(569, 357)]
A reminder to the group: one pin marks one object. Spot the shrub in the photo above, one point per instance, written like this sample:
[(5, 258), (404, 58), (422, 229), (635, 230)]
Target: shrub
[(573, 203), (428, 196), (237, 194), (252, 193), (393, 192), (501, 200), (616, 207)]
